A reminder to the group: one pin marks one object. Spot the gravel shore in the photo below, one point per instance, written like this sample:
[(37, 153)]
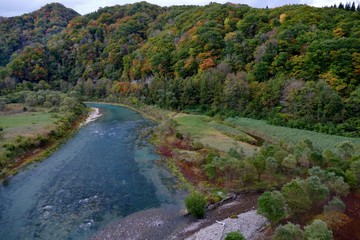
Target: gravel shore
[(94, 114), (170, 223)]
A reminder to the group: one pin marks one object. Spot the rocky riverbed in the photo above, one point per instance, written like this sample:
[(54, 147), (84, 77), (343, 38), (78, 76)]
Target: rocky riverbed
[(171, 223)]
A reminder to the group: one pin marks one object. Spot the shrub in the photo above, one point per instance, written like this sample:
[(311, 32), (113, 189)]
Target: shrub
[(195, 204), (288, 232), (335, 205), (234, 236), (318, 230), (272, 206)]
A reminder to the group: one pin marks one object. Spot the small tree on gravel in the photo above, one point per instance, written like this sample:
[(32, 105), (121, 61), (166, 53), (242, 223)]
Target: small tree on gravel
[(272, 205), (318, 230), (288, 232), (195, 204), (234, 236)]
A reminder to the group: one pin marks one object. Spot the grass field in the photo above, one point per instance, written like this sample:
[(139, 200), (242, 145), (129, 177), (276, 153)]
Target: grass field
[(25, 124), (214, 134), (292, 135)]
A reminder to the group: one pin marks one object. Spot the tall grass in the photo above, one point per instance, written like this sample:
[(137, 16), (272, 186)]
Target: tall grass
[(277, 133)]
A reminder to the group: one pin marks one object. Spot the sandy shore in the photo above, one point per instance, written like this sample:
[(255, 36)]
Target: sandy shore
[(94, 114)]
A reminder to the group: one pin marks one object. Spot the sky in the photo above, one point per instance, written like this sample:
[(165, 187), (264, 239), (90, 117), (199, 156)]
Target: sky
[(9, 8)]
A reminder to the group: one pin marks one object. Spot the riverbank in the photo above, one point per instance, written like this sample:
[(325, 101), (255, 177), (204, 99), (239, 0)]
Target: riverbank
[(238, 214), (53, 139)]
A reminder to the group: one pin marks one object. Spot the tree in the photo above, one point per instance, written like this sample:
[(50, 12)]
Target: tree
[(289, 162), (337, 185), (195, 204), (288, 232), (345, 149), (271, 165), (2, 104), (318, 230), (318, 192), (335, 205), (355, 168), (296, 196), (234, 236), (272, 205)]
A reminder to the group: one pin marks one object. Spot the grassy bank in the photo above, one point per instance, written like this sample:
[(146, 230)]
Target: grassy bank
[(33, 135)]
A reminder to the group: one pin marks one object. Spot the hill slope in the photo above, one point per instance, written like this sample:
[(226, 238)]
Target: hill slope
[(38, 26), (295, 65)]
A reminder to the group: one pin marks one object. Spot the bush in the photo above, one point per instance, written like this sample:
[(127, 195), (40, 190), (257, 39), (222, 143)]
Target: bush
[(318, 230), (288, 232), (272, 206), (195, 204), (234, 236)]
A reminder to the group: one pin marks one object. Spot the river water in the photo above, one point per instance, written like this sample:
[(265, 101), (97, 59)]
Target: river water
[(106, 172)]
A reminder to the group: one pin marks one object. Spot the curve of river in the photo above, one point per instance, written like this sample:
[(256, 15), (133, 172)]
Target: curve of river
[(105, 172)]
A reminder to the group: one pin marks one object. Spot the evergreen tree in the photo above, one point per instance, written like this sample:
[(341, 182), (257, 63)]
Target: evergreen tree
[(353, 8)]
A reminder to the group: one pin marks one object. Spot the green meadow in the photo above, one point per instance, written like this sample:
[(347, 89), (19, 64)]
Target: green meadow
[(26, 124)]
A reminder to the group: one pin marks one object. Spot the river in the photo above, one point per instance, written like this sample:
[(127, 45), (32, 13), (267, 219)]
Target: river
[(106, 172)]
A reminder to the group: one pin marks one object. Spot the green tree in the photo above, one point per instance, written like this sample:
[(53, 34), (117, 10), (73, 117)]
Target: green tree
[(272, 205), (337, 185), (355, 168), (195, 204), (318, 230), (288, 232), (296, 196), (345, 149), (318, 192), (335, 205), (2, 104), (289, 162), (271, 165)]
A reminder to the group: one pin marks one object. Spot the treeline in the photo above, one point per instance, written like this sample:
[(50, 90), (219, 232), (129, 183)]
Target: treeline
[(68, 106), (348, 6), (295, 65)]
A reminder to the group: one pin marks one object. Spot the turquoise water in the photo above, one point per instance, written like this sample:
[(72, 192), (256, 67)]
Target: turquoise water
[(104, 173)]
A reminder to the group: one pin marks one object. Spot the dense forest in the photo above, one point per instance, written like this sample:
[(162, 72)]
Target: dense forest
[(294, 65)]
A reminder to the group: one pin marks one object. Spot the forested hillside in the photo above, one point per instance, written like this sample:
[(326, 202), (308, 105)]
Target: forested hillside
[(295, 65), (18, 32)]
